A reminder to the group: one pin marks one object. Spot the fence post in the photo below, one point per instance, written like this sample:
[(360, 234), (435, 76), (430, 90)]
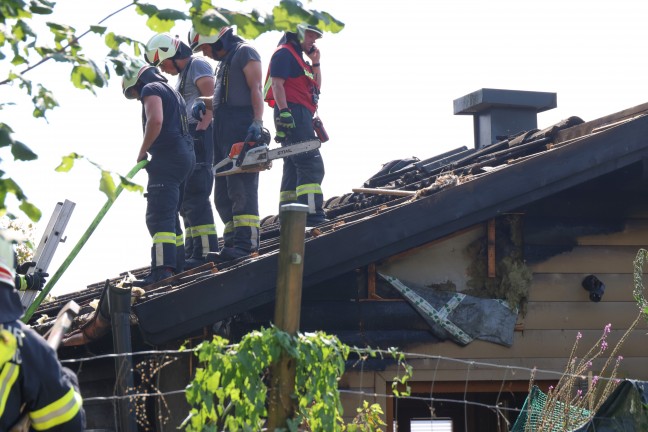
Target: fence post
[(281, 405)]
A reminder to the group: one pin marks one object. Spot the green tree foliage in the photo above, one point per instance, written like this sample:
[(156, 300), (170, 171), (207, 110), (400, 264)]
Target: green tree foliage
[(21, 51), (229, 391)]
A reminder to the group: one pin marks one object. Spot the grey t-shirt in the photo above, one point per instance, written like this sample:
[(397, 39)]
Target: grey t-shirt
[(237, 92), (198, 68)]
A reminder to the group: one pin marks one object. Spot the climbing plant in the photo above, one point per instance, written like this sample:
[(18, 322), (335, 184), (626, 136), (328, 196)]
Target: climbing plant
[(229, 390)]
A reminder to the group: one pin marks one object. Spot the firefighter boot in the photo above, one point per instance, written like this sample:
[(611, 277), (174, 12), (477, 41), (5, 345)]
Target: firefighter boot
[(156, 275)]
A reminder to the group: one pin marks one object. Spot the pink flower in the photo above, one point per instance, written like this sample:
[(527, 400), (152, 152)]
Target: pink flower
[(595, 379), (579, 335), (607, 329), (589, 364), (604, 345)]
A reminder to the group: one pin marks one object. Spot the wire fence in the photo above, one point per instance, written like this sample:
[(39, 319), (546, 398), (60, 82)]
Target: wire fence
[(385, 354)]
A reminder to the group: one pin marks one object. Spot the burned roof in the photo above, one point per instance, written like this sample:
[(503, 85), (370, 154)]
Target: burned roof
[(408, 203)]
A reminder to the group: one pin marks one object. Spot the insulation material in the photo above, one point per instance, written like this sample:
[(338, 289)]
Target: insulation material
[(459, 317)]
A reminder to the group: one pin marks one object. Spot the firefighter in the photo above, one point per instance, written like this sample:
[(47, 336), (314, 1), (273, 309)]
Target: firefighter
[(174, 57), (32, 380), (167, 140), (238, 110), (292, 88)]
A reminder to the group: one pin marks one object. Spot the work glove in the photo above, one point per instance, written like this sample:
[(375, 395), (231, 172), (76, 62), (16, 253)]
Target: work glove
[(34, 281), (24, 267), (284, 123), (254, 131), (198, 109)]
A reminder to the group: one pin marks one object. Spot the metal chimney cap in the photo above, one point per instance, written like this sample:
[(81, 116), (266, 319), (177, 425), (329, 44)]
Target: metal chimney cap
[(486, 99)]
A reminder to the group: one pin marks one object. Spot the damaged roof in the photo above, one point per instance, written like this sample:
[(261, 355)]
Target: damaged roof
[(407, 204)]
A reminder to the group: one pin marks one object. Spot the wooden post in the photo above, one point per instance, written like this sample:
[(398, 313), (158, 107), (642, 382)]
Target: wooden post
[(491, 249), (281, 405)]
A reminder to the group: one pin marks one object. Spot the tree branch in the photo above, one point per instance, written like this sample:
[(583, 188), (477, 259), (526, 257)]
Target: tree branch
[(72, 42)]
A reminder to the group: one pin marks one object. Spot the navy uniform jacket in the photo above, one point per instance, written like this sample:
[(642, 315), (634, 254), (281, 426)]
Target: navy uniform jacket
[(34, 377)]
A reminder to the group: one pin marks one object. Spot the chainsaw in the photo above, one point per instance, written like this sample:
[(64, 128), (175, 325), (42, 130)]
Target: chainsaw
[(249, 156)]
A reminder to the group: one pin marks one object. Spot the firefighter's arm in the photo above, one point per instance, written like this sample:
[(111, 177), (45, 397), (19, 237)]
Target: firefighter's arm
[(253, 77), (205, 86), (153, 127), (279, 92), (50, 392)]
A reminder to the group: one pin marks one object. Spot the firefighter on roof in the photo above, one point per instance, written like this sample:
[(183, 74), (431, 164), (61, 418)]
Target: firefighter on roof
[(195, 79), (167, 140), (238, 112), (292, 89)]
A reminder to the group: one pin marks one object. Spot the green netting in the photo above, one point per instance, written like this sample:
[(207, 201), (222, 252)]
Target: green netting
[(533, 412)]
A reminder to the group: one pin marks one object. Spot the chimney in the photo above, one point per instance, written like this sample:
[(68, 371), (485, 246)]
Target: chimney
[(500, 113)]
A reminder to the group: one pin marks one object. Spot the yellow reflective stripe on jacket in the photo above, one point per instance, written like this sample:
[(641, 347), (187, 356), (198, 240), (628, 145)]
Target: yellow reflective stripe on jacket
[(229, 227), (267, 85), (289, 195), (179, 240), (23, 283), (202, 230), (189, 231), (310, 188), (56, 413), (246, 221), (164, 237), (8, 346), (8, 377)]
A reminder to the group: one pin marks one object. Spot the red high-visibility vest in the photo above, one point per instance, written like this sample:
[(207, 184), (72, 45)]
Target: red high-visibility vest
[(299, 90)]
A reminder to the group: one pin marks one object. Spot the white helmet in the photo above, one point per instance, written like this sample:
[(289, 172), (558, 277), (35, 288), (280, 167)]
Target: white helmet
[(130, 78), (303, 28), (161, 47), (196, 39)]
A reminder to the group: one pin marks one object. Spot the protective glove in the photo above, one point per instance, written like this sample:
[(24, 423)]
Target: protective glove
[(284, 122), (34, 281), (198, 109), (254, 131), (24, 267)]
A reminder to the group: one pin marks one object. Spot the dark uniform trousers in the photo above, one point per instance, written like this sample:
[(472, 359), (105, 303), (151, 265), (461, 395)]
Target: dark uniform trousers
[(196, 211), (303, 174), (236, 196), (168, 170)]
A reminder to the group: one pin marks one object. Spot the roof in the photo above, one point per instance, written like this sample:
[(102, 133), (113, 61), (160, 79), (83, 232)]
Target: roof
[(447, 193)]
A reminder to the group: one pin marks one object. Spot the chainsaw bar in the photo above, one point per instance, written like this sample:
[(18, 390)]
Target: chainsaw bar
[(259, 158), (294, 149)]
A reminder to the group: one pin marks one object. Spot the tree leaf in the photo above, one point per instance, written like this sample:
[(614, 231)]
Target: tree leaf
[(100, 30), (107, 185), (21, 152), (5, 135), (41, 7), (67, 162), (159, 25), (130, 186), (30, 210)]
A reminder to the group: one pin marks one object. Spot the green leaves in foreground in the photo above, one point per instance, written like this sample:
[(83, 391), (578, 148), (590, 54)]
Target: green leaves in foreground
[(229, 391), (106, 182)]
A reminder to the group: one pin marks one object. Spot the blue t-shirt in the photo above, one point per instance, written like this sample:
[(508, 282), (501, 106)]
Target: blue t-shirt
[(174, 112), (284, 65)]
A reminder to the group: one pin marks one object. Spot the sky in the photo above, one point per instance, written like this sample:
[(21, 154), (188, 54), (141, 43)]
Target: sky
[(389, 82)]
